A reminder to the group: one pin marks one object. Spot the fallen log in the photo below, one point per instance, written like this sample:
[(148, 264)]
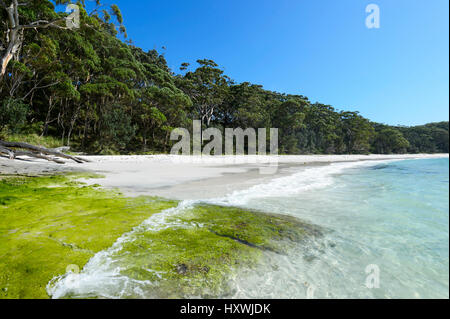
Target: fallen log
[(8, 152), (31, 154), (10, 149)]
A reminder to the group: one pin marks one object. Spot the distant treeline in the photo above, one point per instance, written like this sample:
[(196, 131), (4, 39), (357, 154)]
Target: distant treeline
[(99, 94)]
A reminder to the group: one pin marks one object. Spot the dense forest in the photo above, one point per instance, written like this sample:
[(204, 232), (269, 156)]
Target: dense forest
[(98, 94)]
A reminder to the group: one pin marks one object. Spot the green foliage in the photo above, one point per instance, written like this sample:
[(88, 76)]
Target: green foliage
[(389, 140), (208, 87), (13, 114), (357, 133), (430, 138), (34, 139), (117, 130), (92, 91), (288, 116)]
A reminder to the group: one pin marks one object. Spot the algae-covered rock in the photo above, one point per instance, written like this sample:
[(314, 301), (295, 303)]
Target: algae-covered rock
[(260, 230), (203, 248), (50, 223)]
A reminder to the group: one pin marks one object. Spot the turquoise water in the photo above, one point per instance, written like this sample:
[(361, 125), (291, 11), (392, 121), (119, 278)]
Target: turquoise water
[(393, 215), (385, 224)]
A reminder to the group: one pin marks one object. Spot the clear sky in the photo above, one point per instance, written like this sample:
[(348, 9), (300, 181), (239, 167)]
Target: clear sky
[(397, 74)]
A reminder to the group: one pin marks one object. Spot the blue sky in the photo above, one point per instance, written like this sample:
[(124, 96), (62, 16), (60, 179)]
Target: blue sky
[(397, 74)]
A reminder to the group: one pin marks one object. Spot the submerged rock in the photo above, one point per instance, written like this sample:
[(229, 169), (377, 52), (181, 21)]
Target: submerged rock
[(203, 248)]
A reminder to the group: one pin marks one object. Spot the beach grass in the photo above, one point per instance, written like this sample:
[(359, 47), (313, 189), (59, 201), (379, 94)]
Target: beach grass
[(34, 139)]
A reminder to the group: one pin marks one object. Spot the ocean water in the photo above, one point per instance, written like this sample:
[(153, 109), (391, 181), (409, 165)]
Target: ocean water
[(386, 235), (389, 218)]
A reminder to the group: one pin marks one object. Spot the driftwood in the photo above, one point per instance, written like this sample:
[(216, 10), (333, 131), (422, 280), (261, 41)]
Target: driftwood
[(7, 152), (14, 149)]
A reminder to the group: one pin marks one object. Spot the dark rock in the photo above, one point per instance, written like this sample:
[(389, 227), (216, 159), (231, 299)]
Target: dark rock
[(182, 269)]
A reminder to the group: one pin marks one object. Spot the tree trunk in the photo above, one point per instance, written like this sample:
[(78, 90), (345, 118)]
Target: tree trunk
[(15, 33), (15, 37), (35, 151), (47, 118)]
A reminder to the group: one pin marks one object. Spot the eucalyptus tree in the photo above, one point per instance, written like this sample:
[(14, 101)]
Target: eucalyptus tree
[(207, 87), (245, 106), (322, 131), (288, 116), (390, 140), (357, 132), (17, 17)]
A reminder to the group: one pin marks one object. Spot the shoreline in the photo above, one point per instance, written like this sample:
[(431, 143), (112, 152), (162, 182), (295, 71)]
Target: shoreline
[(193, 177)]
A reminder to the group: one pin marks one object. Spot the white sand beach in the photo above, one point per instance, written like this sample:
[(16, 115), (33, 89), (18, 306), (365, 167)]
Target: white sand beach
[(191, 177)]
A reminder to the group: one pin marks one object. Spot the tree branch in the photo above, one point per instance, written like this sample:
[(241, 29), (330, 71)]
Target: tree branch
[(41, 156), (40, 87), (44, 24), (7, 152)]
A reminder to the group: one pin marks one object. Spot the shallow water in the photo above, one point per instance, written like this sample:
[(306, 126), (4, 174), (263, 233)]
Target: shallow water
[(389, 218), (393, 216)]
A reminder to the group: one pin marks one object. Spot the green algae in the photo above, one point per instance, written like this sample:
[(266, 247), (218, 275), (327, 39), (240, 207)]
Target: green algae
[(183, 262), (260, 230), (49, 223), (201, 251)]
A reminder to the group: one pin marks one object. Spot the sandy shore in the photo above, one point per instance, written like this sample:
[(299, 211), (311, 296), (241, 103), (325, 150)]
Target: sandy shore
[(33, 167), (181, 177)]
